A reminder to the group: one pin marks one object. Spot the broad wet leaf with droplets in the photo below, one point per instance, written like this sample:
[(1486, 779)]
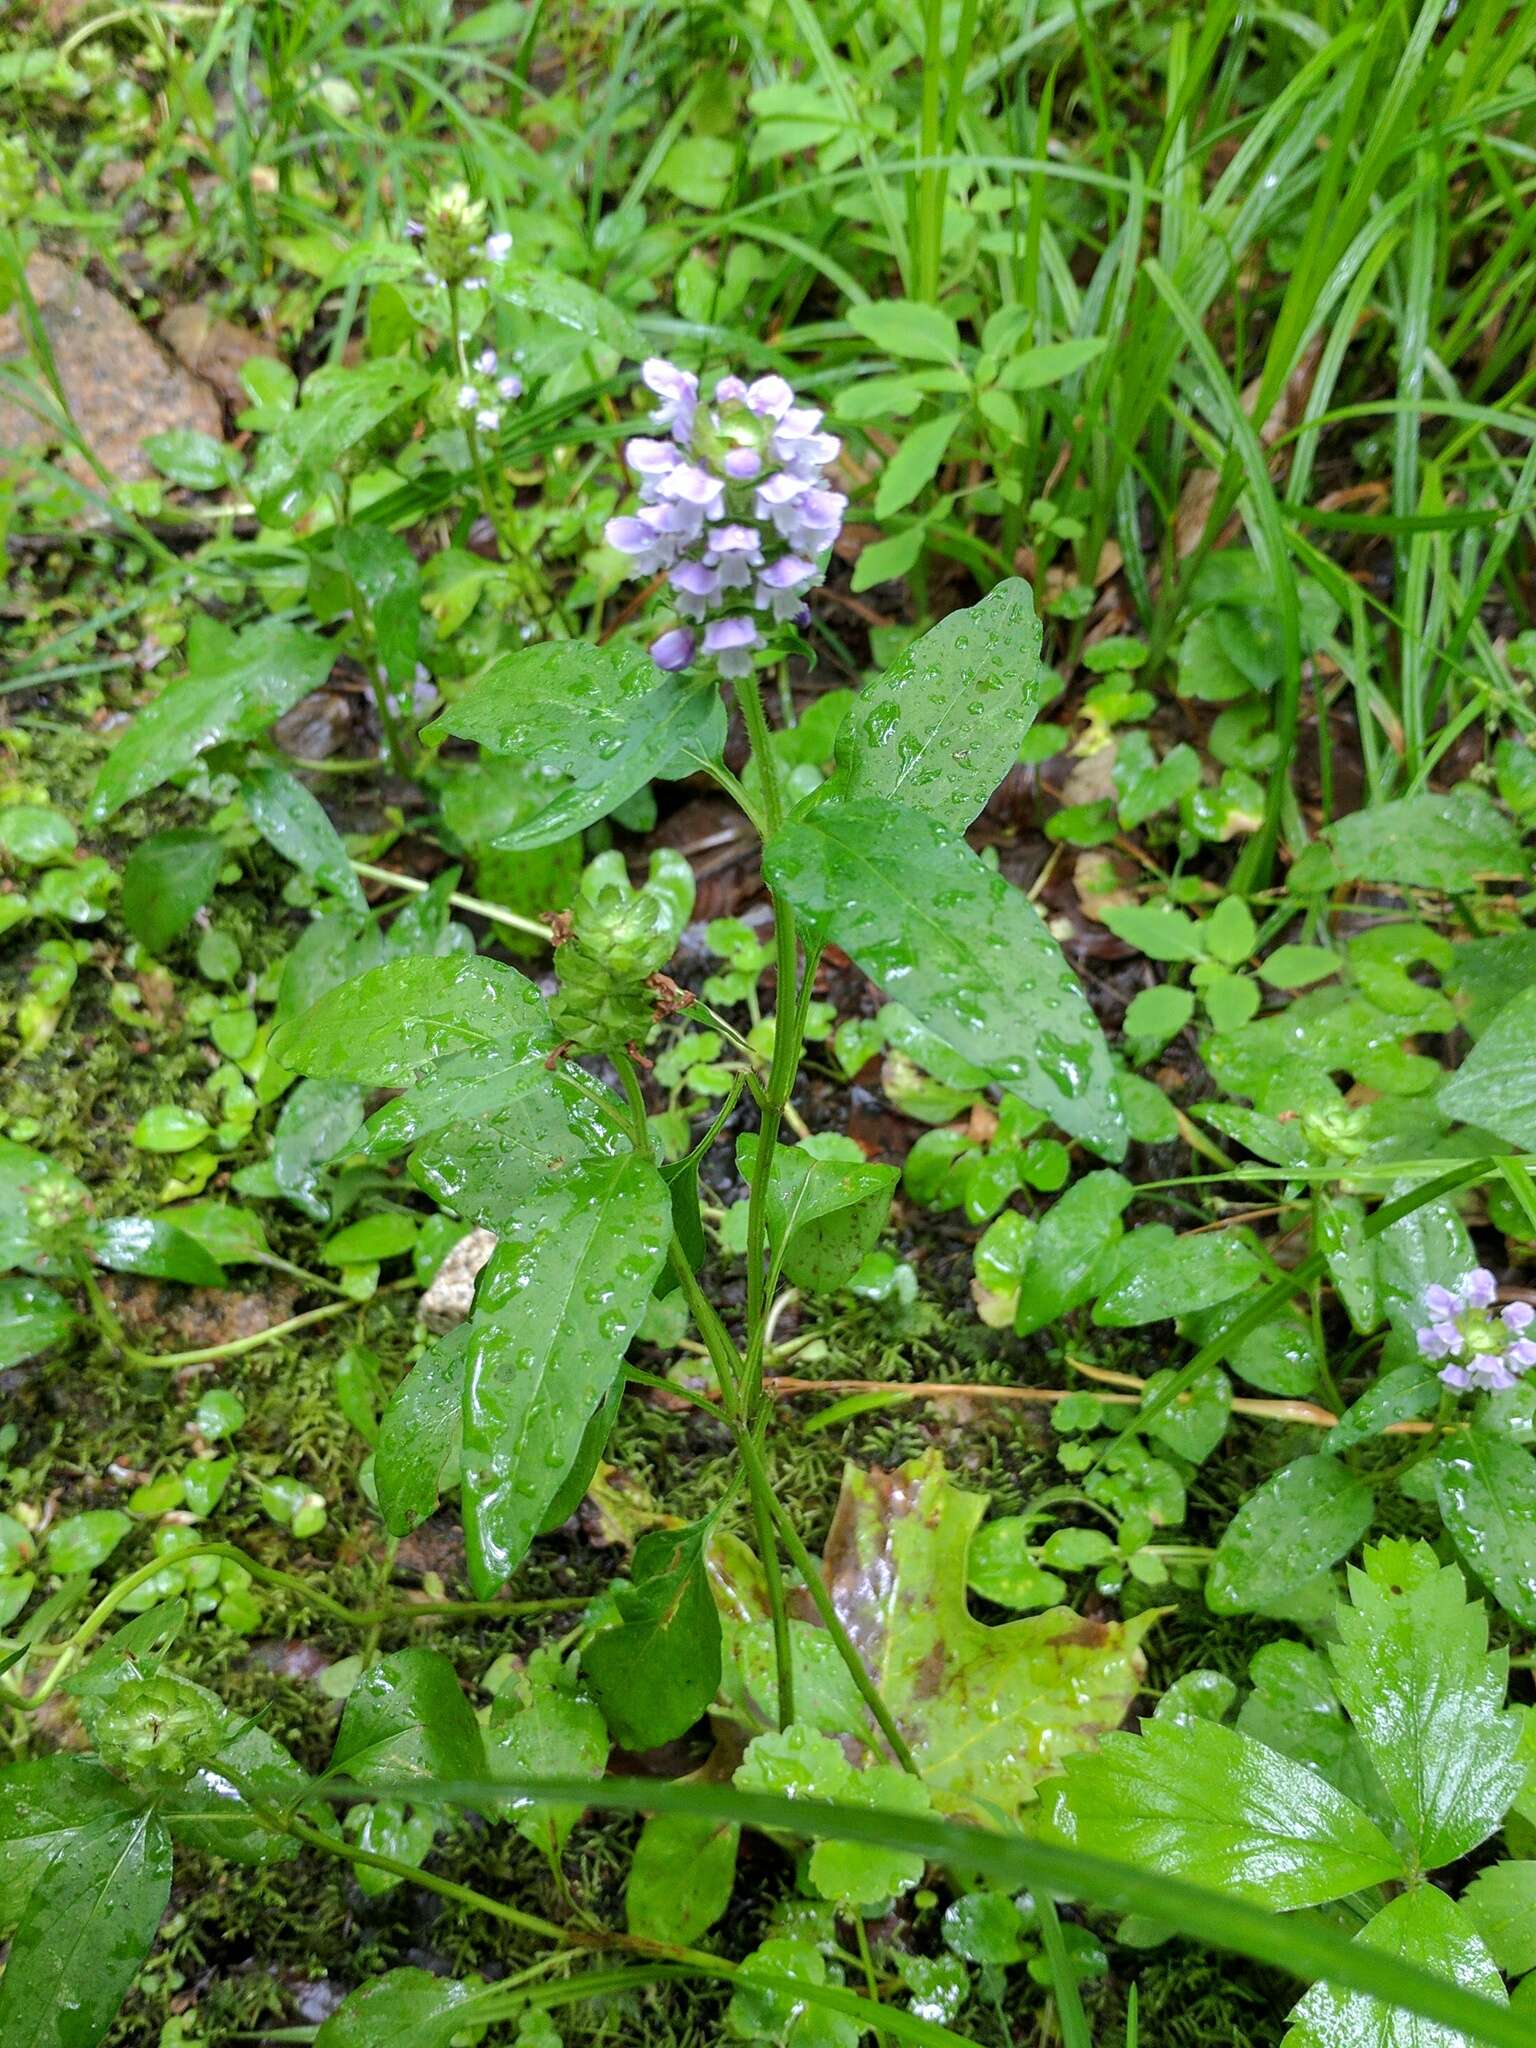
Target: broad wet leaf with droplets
[(607, 719), (384, 1026), (556, 1307), (927, 920), (986, 1711), (943, 725)]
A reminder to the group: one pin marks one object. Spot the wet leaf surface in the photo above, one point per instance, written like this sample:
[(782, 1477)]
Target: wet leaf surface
[(986, 1711)]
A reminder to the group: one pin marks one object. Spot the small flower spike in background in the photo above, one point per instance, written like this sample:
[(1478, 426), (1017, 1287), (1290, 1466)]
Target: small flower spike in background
[(735, 505), (1480, 1351)]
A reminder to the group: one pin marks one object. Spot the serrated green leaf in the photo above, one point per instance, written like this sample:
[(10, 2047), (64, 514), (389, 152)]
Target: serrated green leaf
[(1421, 1927), (1414, 1671), (1501, 1904), (1198, 1801)]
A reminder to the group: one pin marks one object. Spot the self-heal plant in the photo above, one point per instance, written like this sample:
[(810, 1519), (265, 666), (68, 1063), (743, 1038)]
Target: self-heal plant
[(735, 506), (1477, 1349)]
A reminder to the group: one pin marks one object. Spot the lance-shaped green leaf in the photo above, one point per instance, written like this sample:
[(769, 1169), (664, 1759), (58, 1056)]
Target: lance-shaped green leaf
[(487, 1168), (342, 405), (1305, 1519), (965, 952), (1423, 1928), (1066, 1252), (407, 2008), (985, 1711), (1495, 1085), (166, 882), (417, 1456), (155, 1248), (407, 1717), (556, 1307), (1415, 1673), (1196, 1800), (605, 718), (681, 1879), (825, 1208), (235, 685), (293, 821), (93, 1900), (942, 726), (385, 574), (656, 1672), (32, 1317), (1486, 1488), (383, 1027)]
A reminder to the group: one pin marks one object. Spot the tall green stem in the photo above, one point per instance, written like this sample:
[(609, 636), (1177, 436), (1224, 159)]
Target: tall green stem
[(816, 1586)]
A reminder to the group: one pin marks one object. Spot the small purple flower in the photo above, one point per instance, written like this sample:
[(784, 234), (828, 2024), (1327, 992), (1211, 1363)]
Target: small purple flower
[(488, 419), (690, 484), (485, 362), (742, 465), (1480, 1288), (1477, 1352), (736, 552), (509, 387), (730, 391), (780, 586), (678, 391), (651, 551), (469, 398), (414, 231), (651, 460), (769, 397), (673, 649), (695, 584), (498, 247), (730, 643)]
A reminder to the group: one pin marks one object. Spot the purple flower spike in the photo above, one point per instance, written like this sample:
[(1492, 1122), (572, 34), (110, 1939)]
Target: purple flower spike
[(673, 649), (735, 506)]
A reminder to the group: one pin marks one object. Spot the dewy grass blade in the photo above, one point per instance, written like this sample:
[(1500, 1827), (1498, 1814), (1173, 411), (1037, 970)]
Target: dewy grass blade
[(1296, 1943)]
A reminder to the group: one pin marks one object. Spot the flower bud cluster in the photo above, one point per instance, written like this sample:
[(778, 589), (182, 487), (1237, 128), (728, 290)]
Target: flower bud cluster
[(735, 506), (1476, 1349)]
